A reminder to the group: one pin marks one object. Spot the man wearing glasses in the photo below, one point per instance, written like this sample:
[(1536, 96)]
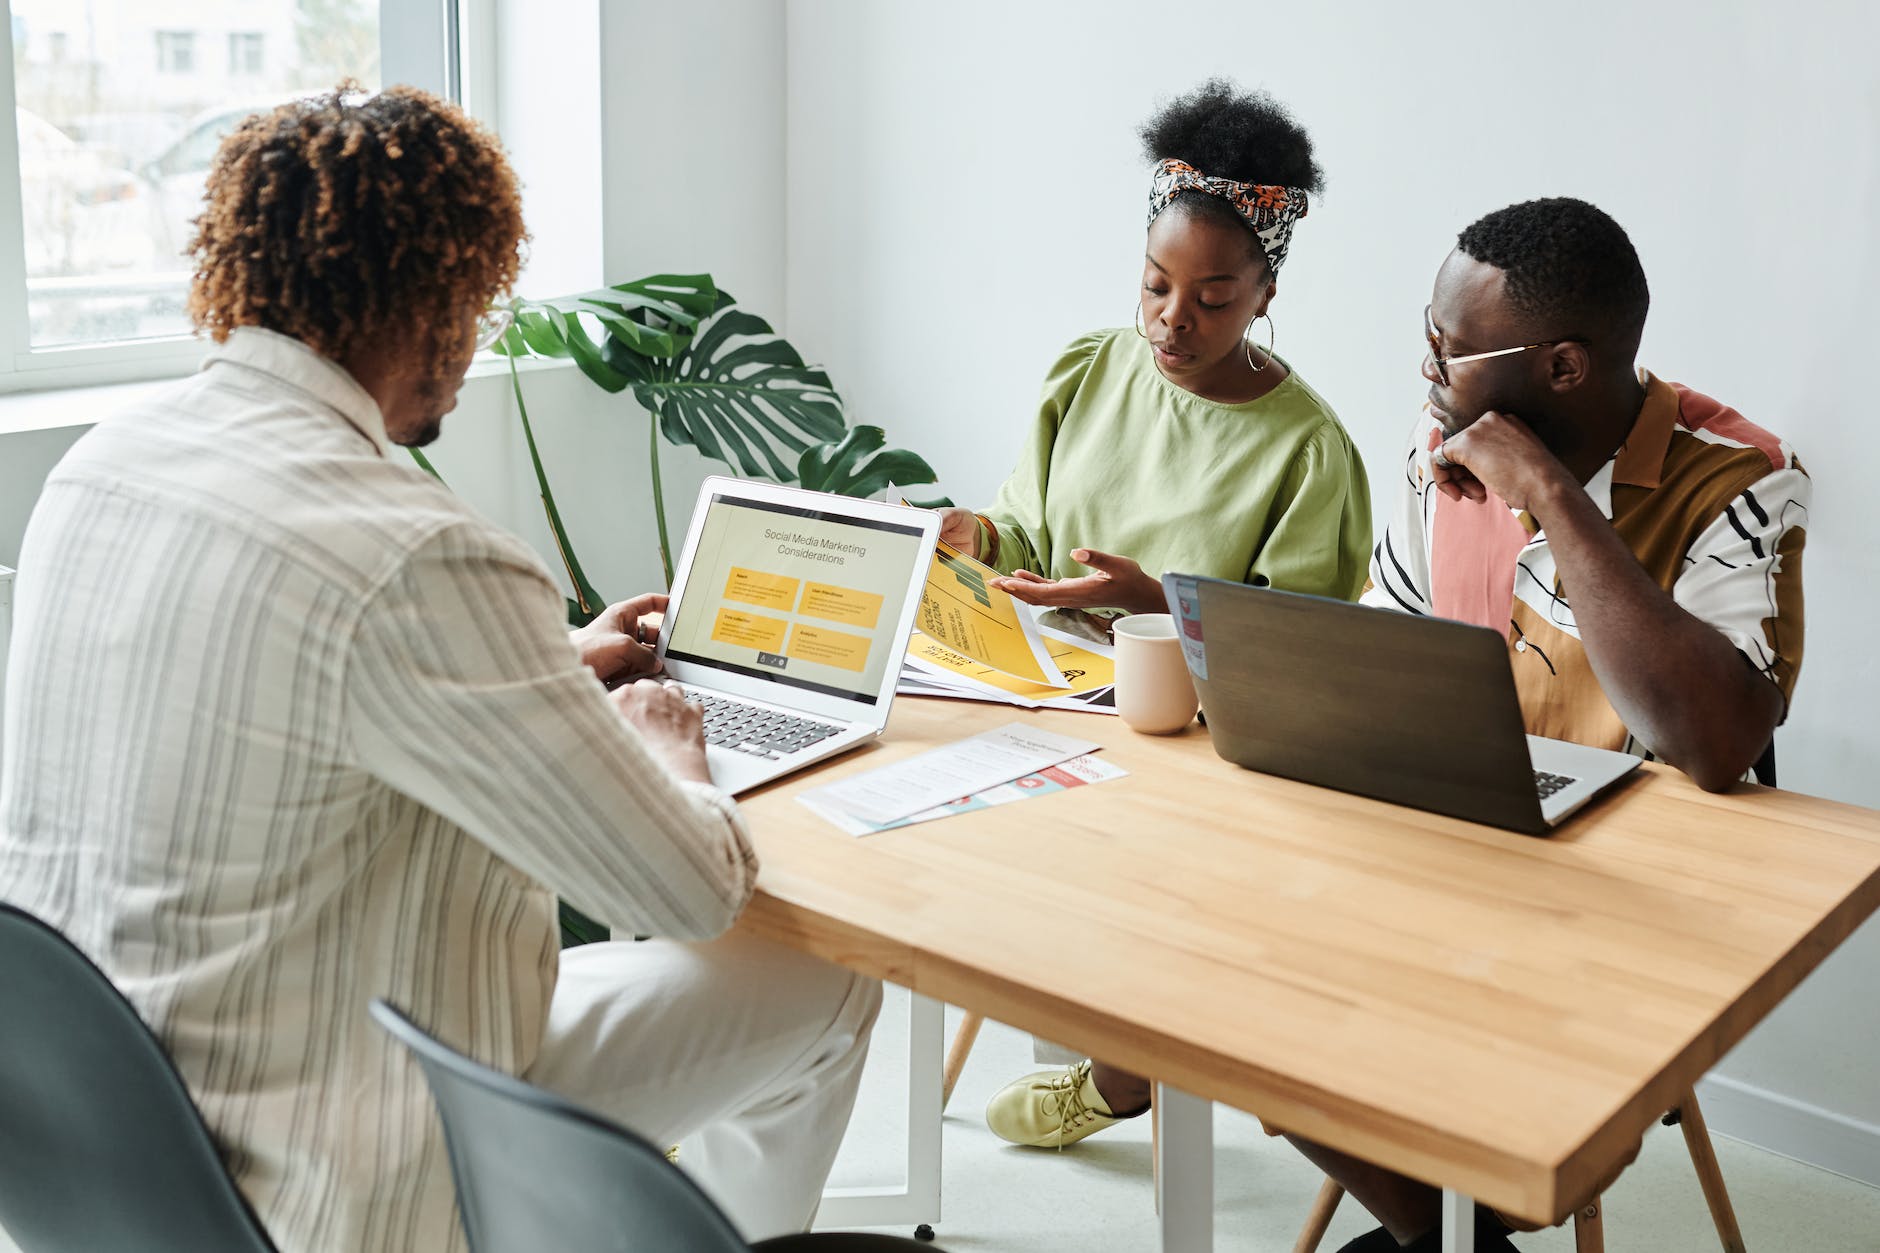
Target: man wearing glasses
[(292, 727), (1638, 543)]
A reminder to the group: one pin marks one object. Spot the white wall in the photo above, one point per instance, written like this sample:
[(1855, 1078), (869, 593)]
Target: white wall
[(544, 100), (692, 109), (966, 194)]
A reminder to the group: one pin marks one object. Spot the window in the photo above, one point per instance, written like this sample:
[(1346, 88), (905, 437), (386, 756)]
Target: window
[(114, 148), (244, 52), (176, 52)]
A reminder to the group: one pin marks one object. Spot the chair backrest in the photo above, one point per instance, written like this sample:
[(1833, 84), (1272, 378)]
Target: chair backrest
[(535, 1171), (100, 1144)]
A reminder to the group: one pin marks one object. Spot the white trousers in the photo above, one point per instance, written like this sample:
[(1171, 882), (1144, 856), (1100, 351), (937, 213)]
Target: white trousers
[(744, 1053)]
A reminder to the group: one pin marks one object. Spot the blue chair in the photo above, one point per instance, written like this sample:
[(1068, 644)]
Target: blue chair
[(535, 1171), (101, 1146)]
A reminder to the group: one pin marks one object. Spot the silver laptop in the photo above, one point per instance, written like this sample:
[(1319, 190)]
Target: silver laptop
[(789, 616), (1417, 711)]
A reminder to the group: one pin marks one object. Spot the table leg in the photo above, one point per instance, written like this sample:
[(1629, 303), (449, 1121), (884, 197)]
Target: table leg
[(916, 1201), (1458, 1222), (1185, 1170)]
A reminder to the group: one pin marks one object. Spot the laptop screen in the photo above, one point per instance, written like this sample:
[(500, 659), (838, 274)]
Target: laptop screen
[(796, 596)]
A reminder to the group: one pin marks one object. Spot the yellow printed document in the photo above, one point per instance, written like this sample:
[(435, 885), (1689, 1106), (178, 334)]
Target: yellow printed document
[(1084, 667), (962, 611)]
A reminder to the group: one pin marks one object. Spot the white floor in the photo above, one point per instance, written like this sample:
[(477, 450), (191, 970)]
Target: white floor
[(1097, 1195)]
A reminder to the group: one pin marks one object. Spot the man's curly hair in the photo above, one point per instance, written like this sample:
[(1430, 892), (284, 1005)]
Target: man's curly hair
[(1570, 268), (351, 221), (1228, 133)]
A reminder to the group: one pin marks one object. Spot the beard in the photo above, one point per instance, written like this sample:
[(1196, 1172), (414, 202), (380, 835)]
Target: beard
[(423, 436), (437, 397)]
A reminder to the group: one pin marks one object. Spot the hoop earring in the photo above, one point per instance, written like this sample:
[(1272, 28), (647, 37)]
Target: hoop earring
[(1139, 331), (1247, 339)]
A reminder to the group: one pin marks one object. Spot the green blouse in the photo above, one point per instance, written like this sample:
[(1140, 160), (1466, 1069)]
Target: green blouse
[(1269, 492)]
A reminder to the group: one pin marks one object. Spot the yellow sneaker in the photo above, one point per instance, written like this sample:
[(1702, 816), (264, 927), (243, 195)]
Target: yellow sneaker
[(1050, 1109)]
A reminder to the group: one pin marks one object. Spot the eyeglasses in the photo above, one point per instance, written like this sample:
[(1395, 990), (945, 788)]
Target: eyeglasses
[(492, 326), (1435, 338)]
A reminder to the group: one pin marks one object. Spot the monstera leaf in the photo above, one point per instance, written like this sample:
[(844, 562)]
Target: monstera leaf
[(856, 465), (716, 378), (741, 394)]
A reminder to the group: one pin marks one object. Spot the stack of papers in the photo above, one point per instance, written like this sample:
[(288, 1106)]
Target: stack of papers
[(1011, 763), (974, 642), (1077, 772)]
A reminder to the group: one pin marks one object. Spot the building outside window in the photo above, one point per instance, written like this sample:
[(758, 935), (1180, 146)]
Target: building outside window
[(244, 52), (115, 146), (176, 51)]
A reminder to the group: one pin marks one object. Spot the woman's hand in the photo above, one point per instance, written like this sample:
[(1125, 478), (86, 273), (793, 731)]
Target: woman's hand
[(1118, 583), (959, 529), (619, 645)]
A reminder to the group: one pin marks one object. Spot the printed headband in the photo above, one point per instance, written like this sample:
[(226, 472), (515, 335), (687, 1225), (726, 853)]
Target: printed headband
[(1270, 211)]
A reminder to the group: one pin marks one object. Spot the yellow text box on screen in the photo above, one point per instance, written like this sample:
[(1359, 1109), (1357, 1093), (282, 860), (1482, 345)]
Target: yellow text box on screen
[(749, 630), (754, 587), (829, 648), (842, 604)]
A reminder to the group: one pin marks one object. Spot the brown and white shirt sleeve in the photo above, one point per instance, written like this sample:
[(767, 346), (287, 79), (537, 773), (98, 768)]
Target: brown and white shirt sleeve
[(1713, 507)]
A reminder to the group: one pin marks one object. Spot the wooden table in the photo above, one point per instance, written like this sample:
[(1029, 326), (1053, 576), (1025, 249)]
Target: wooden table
[(1498, 1015)]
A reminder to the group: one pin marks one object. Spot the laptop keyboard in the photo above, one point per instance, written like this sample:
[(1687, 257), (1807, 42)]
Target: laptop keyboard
[(1547, 784), (766, 733)]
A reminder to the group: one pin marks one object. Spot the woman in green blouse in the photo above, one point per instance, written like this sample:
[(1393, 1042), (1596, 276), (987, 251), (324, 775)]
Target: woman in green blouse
[(1181, 445)]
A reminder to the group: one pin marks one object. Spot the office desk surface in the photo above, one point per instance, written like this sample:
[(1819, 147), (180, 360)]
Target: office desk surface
[(1489, 1012)]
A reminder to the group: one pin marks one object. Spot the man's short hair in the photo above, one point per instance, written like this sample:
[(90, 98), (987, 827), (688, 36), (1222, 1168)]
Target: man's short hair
[(349, 220), (1569, 266)]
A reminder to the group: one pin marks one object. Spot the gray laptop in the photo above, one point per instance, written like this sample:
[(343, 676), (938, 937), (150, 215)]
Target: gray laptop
[(1416, 711), (789, 616)]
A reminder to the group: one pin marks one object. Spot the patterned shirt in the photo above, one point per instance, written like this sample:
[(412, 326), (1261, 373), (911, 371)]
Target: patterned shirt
[(290, 727), (1714, 508)]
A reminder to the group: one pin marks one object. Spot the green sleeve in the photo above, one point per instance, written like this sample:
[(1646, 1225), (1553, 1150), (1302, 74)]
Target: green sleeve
[(1322, 542), (1018, 510)]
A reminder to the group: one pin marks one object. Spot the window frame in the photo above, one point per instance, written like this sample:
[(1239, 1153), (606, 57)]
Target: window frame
[(421, 42)]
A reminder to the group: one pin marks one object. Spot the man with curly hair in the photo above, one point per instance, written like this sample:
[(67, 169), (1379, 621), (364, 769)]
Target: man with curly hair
[(292, 728), (1638, 543)]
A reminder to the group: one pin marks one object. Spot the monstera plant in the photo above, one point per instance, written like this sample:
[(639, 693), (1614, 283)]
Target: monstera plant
[(706, 374), (702, 373)]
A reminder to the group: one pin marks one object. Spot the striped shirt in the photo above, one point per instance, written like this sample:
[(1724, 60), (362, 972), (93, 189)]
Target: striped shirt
[(1713, 507), (290, 727)]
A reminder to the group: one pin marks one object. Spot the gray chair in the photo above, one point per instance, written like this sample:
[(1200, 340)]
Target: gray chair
[(101, 1146), (535, 1171)]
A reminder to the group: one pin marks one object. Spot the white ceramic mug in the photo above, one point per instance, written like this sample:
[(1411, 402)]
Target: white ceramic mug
[(1153, 691)]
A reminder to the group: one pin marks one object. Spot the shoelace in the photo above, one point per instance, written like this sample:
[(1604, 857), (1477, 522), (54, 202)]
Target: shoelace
[(1065, 1100)]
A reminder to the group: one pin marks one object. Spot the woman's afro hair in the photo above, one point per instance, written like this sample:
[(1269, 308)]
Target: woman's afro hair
[(1228, 133)]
